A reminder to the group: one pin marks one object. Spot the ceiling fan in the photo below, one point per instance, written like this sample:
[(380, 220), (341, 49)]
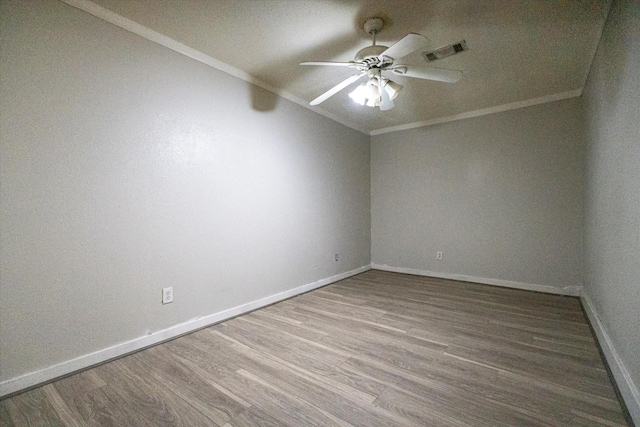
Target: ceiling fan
[(371, 61)]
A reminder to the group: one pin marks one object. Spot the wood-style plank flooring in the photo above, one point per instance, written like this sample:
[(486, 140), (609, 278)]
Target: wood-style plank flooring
[(377, 349)]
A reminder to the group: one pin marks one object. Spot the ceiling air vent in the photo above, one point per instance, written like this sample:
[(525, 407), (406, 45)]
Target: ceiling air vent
[(445, 51)]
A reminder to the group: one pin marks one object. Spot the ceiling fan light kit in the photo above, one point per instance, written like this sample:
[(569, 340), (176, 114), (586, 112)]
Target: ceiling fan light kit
[(366, 94), (377, 92), (371, 61), (392, 88)]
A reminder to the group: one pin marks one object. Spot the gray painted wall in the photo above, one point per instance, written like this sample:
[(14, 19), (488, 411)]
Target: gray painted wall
[(126, 168), (612, 184), (500, 195)]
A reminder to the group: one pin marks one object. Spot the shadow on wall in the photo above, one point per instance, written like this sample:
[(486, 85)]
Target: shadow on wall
[(263, 100)]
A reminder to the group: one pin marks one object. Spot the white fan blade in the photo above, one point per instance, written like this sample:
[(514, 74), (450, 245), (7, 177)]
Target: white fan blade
[(337, 88), (387, 102), (331, 64), (438, 74), (408, 44)]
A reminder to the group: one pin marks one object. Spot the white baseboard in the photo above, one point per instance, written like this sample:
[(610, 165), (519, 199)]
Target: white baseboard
[(627, 388), (568, 290), (32, 379)]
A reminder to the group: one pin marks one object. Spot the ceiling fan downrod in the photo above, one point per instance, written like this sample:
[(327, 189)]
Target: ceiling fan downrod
[(373, 26)]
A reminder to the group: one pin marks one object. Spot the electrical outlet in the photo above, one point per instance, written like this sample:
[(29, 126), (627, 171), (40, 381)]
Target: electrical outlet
[(167, 295), (337, 257), (439, 256)]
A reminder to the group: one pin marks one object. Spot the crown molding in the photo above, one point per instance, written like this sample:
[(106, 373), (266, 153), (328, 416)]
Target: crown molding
[(129, 25), (158, 38), (483, 112)]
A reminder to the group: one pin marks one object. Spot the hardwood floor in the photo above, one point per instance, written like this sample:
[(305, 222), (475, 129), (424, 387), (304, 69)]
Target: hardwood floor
[(377, 349)]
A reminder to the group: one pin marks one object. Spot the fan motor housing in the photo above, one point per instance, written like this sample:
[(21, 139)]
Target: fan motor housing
[(370, 52)]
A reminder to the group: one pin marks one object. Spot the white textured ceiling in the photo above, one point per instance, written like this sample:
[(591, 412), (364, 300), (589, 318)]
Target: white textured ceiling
[(519, 49)]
